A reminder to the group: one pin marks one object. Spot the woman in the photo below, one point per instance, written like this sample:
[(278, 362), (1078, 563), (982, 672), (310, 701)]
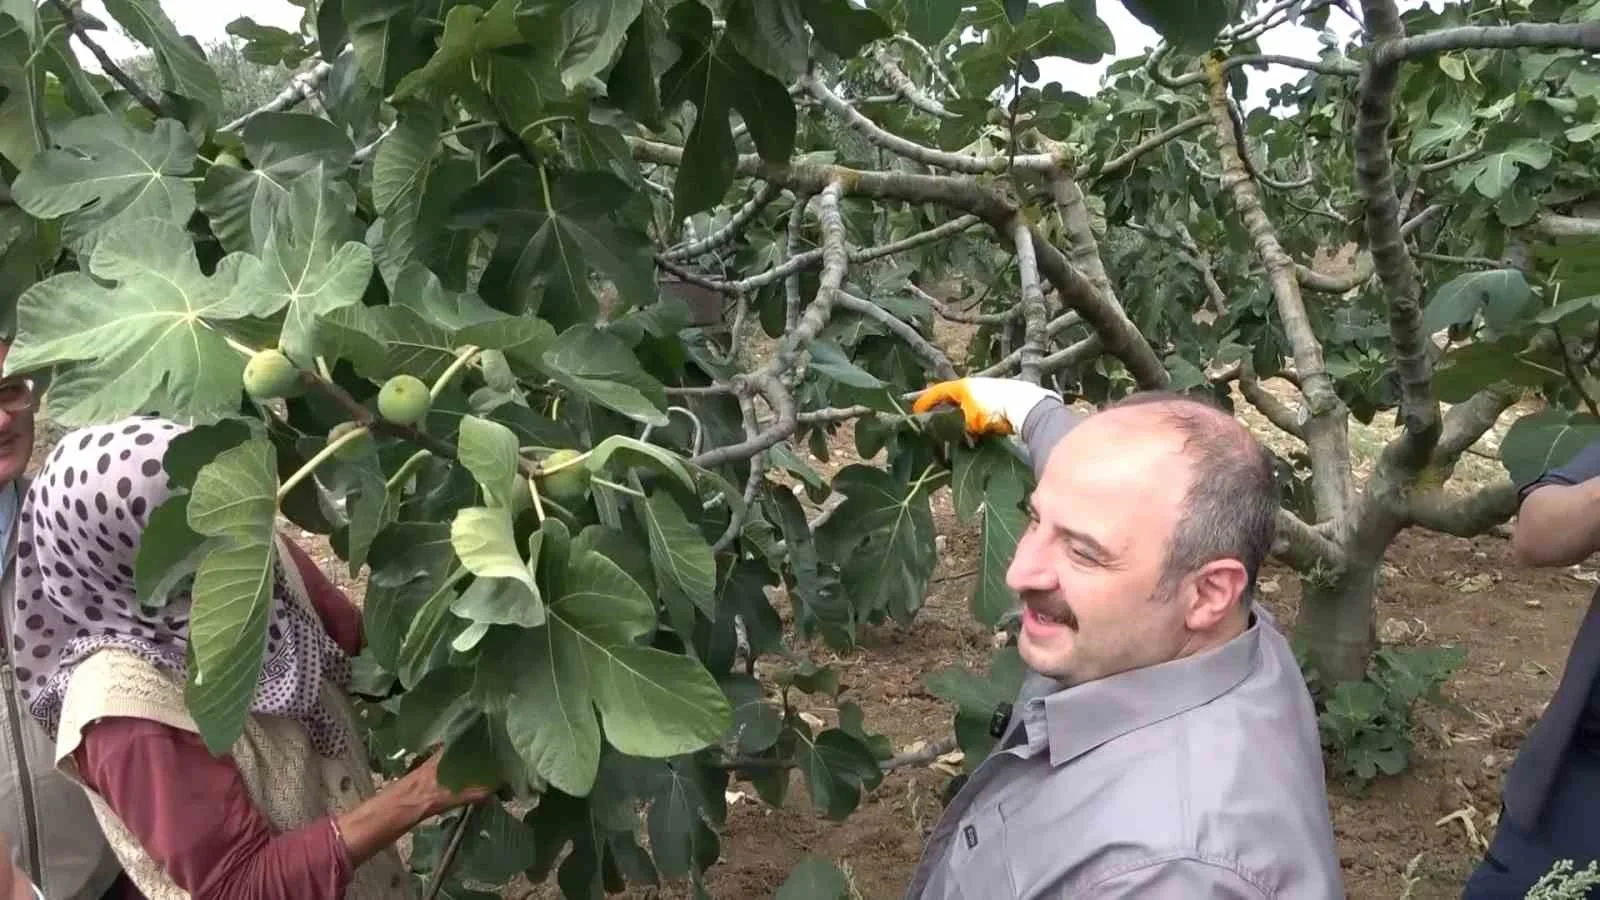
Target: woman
[(291, 811)]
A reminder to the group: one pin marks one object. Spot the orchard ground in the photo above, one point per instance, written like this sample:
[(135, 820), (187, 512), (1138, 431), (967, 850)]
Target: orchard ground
[(1414, 835)]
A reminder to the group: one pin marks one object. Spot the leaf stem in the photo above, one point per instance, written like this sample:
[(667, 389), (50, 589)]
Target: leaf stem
[(321, 457), (538, 502), (564, 464), (617, 487), (406, 469), (463, 358)]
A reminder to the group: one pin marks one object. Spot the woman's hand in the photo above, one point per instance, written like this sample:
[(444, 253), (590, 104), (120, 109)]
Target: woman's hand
[(442, 799), (989, 405)]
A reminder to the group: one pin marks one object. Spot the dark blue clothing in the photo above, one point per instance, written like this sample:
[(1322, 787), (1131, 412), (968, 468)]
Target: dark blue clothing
[(1549, 798)]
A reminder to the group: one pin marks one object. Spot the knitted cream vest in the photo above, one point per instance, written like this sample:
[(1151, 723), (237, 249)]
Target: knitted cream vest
[(290, 783)]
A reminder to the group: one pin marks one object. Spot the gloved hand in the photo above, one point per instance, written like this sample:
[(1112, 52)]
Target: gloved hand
[(989, 405)]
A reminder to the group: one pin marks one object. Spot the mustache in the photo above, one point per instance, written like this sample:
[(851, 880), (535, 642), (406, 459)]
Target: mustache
[(1050, 603)]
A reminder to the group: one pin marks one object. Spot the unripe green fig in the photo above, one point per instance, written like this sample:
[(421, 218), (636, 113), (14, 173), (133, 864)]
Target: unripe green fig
[(569, 484), (270, 375), (352, 451), (404, 400), (229, 160)]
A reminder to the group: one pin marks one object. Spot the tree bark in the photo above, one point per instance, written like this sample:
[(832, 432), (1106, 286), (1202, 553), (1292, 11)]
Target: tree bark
[(1337, 624)]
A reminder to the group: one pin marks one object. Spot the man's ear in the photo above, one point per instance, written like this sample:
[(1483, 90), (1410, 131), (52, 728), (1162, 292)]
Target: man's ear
[(1218, 587)]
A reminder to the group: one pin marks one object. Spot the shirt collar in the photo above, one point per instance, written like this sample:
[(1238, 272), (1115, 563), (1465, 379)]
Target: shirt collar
[(1081, 718)]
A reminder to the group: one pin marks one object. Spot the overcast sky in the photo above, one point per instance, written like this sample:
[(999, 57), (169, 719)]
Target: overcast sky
[(208, 19)]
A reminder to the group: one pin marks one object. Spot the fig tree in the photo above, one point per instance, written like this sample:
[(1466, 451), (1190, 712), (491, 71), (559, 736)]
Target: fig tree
[(270, 375), (568, 484), (404, 400)]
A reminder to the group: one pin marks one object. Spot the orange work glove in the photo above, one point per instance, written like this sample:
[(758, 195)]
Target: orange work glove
[(989, 405)]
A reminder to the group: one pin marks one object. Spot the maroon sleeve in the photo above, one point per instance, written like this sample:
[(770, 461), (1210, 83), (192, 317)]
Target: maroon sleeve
[(192, 814), (339, 615)]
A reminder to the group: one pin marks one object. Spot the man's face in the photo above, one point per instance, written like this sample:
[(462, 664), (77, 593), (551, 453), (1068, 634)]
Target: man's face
[(1089, 565), (17, 406)]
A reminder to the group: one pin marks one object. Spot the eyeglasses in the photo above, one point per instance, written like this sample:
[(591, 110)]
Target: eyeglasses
[(16, 395)]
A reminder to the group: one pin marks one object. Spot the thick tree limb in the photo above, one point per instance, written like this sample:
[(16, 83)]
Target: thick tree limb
[(933, 356), (1301, 546), (1325, 428), (1464, 515), (794, 233), (1419, 413), (1527, 35), (1282, 415), (1034, 313), (69, 17), (1559, 226), (1466, 422), (727, 233), (302, 87), (1325, 67), (956, 162)]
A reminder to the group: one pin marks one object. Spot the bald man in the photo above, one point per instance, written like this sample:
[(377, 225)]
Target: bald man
[(1164, 744)]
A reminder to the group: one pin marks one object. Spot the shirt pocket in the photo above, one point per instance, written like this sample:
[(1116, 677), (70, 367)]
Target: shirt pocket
[(979, 857)]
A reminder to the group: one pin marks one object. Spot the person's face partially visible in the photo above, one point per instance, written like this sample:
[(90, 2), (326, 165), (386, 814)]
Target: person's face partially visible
[(1089, 565), (17, 406)]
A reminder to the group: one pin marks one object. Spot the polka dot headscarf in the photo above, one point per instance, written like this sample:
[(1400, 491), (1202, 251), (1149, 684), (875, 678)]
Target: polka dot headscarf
[(78, 534)]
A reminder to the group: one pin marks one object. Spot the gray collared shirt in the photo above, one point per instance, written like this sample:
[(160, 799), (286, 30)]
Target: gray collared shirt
[(1197, 778)]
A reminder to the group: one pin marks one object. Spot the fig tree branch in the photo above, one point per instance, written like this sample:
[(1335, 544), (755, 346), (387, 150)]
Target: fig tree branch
[(1302, 546), (727, 233), (951, 314), (906, 40), (905, 87), (758, 471), (1014, 358), (1282, 415), (766, 381), (69, 17), (1127, 158), (1034, 313), (1325, 429), (301, 87), (1076, 354), (1466, 422), (798, 262), (1419, 414), (929, 354), (1079, 231), (956, 162), (1464, 515), (1559, 226), (1122, 339), (794, 233), (1526, 35)]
